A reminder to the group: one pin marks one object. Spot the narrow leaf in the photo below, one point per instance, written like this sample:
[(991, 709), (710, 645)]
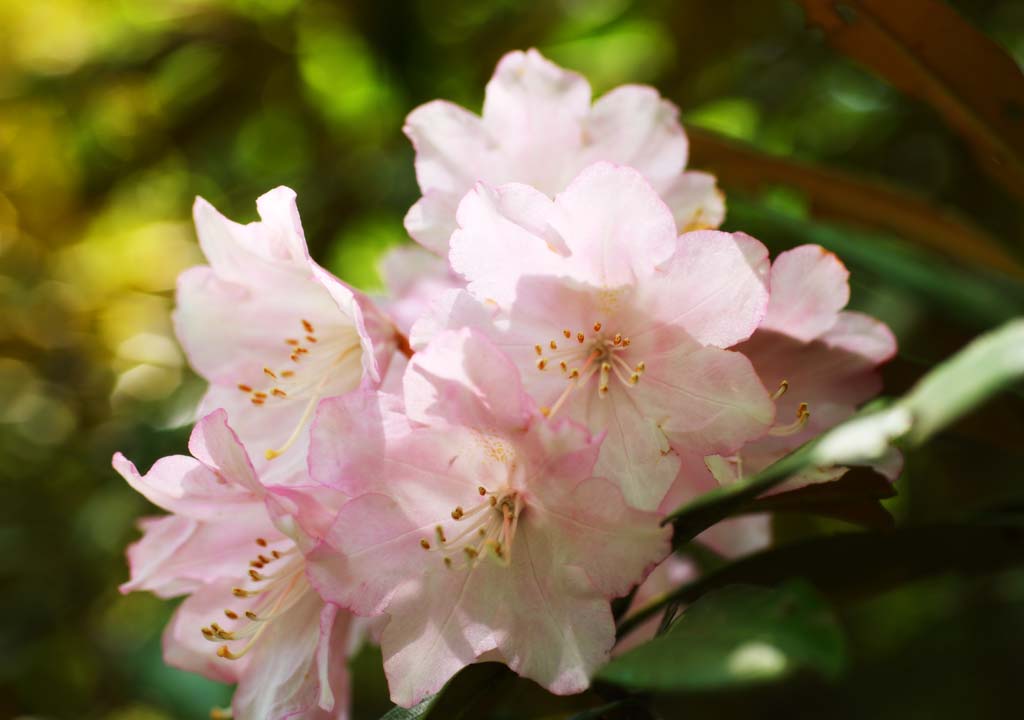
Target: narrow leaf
[(738, 635), (853, 498), (927, 50)]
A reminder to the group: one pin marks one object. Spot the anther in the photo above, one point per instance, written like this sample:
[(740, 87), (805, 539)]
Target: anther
[(425, 544), (580, 337), (207, 633), (538, 349), (447, 562), (264, 559), (617, 340), (640, 367), (261, 542), (270, 373), (275, 553), (574, 374), (311, 338), (625, 342), (292, 341), (457, 513), (553, 345), (567, 334), (242, 593), (545, 411), (251, 615), (257, 401), (471, 553), (260, 394), (634, 378), (231, 614), (256, 564), (287, 373), (494, 501), (245, 388), (255, 575), (440, 534), (225, 653), (541, 364), (307, 326), (597, 327), (563, 366), (482, 490), (278, 392)]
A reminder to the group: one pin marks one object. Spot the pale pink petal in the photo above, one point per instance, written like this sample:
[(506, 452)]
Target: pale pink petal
[(706, 401), (635, 453), (414, 279), (615, 226), (431, 220), (534, 109), (504, 234), (216, 445), (453, 310), (594, 529), (695, 201), (453, 148), (809, 287), (282, 679), (463, 379), (862, 336), (184, 645), (632, 125), (177, 555), (715, 288)]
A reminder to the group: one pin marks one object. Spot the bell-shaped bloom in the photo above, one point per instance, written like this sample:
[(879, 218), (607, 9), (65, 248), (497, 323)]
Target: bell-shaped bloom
[(234, 547), (475, 525), (539, 128), (272, 331), (821, 359), (615, 321)]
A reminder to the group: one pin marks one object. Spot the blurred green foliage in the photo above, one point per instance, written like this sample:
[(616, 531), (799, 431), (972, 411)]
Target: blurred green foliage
[(115, 113)]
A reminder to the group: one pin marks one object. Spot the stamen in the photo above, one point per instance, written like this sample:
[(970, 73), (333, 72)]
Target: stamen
[(292, 341), (542, 364), (245, 388), (307, 326), (617, 340), (553, 345), (802, 415), (425, 544), (783, 387), (602, 387), (482, 490), (269, 373), (261, 542), (539, 350), (597, 327), (457, 513), (567, 334), (231, 614), (580, 337)]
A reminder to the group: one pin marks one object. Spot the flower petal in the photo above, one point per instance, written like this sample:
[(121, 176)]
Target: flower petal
[(695, 201), (632, 125), (715, 288), (809, 287)]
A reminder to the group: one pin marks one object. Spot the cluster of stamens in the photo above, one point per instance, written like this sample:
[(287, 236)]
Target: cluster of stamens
[(580, 358), (279, 377), (275, 592), (486, 530)]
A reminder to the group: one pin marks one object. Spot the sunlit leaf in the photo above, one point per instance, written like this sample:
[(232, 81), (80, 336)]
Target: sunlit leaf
[(737, 636)]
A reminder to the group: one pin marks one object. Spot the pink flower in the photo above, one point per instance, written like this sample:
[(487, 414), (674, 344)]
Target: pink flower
[(539, 128), (822, 359), (233, 546), (272, 331), (614, 320), (474, 525), (414, 278)]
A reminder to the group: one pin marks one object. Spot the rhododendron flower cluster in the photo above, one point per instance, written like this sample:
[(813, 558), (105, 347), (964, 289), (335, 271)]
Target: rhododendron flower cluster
[(474, 466)]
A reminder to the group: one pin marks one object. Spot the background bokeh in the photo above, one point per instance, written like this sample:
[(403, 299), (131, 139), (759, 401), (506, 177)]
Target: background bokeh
[(114, 114)]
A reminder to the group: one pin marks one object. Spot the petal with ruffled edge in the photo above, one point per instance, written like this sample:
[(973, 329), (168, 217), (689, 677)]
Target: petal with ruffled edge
[(461, 378), (615, 226), (414, 278), (184, 646), (809, 287), (633, 125), (714, 287), (504, 233), (534, 110)]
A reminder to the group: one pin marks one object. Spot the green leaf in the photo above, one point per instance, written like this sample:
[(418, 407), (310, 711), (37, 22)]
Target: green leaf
[(416, 712), (854, 498), (459, 698), (739, 635)]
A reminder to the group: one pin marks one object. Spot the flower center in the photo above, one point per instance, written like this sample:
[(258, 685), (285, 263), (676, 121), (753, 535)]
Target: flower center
[(581, 357), (486, 529), (314, 360), (275, 583)]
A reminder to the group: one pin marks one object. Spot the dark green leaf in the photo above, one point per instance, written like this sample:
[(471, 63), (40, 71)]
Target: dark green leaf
[(737, 636), (853, 498)]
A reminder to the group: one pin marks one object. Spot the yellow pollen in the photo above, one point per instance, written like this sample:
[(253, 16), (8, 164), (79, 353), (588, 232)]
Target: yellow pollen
[(207, 633), (640, 367), (783, 387), (545, 411), (634, 378)]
